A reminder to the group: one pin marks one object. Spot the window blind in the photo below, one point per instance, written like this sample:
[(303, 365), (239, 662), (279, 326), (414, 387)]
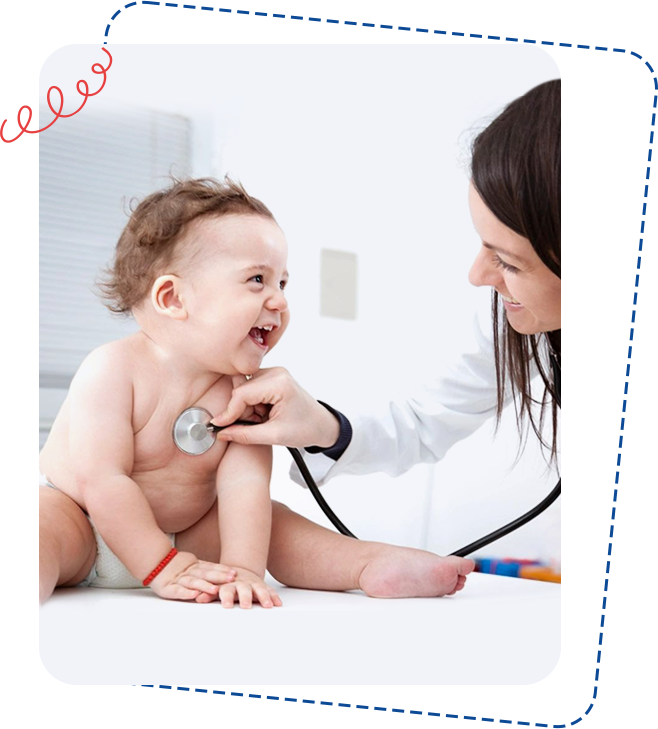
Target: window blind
[(90, 166)]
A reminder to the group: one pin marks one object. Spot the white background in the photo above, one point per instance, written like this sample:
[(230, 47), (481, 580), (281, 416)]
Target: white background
[(363, 149)]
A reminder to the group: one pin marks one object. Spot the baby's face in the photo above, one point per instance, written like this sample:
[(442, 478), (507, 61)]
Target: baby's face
[(234, 295)]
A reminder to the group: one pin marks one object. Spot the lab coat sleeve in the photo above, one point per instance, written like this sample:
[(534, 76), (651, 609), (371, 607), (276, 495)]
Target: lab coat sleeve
[(421, 428)]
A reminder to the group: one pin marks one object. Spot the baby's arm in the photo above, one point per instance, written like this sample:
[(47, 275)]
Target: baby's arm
[(101, 446), (245, 522)]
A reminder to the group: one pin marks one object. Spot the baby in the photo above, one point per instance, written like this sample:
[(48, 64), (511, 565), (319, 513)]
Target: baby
[(201, 266)]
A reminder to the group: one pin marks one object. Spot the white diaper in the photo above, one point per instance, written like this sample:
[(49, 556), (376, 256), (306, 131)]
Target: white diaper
[(108, 570)]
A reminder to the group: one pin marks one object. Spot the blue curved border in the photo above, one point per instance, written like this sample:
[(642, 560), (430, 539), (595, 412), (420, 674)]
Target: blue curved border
[(623, 35)]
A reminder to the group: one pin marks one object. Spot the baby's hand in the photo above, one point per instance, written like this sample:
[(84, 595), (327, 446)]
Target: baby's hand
[(188, 578), (248, 587)]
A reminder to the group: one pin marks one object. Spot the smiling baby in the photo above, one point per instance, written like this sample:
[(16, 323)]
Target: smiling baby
[(202, 268)]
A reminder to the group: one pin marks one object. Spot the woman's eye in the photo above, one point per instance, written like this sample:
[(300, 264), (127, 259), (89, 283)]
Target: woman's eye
[(506, 266)]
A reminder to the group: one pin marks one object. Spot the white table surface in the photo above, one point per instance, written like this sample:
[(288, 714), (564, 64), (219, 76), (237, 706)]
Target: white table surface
[(498, 630)]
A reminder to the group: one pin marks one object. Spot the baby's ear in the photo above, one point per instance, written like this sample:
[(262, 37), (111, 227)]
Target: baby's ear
[(166, 297)]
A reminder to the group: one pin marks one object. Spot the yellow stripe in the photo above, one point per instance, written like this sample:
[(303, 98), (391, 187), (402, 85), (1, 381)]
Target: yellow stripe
[(576, 635)]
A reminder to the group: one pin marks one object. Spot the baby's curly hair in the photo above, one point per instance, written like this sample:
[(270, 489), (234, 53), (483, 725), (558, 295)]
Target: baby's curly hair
[(157, 225)]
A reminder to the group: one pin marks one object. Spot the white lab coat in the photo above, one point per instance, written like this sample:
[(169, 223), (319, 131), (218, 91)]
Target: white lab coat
[(423, 427)]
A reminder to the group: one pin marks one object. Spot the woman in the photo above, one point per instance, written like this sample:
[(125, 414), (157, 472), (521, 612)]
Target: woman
[(514, 199)]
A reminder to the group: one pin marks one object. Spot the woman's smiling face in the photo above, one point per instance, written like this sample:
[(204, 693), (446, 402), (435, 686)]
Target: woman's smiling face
[(529, 290)]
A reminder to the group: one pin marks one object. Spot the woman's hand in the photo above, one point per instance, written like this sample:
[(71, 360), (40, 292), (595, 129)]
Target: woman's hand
[(247, 588), (188, 578), (294, 418)]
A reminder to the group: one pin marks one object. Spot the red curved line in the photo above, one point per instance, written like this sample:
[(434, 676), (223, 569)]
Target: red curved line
[(84, 93), (104, 72), (50, 106), (61, 100), (110, 55)]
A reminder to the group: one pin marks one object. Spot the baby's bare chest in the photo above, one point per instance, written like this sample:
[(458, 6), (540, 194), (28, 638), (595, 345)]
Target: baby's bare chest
[(156, 410)]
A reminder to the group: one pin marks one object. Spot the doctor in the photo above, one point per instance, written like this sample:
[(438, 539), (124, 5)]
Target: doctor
[(514, 200)]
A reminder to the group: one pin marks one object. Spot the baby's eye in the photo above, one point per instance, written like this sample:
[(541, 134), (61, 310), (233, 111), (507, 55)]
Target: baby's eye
[(283, 284), (258, 278)]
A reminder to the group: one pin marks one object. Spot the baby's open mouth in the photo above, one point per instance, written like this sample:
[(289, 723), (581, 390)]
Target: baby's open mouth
[(260, 334)]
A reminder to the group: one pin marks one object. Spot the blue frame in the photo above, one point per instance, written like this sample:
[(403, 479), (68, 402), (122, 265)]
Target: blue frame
[(620, 35)]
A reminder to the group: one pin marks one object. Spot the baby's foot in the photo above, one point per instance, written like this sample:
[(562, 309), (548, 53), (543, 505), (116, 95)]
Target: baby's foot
[(402, 572)]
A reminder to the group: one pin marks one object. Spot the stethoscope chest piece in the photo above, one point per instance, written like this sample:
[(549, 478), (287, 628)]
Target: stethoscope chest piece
[(191, 433)]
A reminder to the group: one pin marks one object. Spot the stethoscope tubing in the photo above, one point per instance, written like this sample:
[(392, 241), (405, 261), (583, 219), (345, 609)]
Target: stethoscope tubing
[(469, 548), (306, 475)]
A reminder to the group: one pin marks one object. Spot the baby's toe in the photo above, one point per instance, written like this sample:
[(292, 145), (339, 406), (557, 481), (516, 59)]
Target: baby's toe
[(461, 565)]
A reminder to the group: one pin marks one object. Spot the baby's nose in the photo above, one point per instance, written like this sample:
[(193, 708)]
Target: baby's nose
[(278, 302)]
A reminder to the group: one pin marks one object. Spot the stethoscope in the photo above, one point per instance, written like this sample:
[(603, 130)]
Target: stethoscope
[(194, 434)]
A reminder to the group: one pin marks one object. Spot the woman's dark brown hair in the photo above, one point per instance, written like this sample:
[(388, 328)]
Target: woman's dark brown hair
[(515, 169)]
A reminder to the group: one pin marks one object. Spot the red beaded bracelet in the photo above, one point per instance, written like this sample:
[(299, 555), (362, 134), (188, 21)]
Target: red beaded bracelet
[(160, 567)]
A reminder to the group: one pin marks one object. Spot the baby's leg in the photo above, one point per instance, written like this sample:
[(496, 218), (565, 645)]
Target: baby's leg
[(304, 554), (67, 548), (202, 538)]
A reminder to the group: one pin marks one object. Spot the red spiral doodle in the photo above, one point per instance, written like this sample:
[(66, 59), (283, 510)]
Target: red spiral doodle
[(83, 89)]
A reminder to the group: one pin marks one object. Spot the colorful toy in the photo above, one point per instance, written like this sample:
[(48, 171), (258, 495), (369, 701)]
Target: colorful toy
[(526, 568)]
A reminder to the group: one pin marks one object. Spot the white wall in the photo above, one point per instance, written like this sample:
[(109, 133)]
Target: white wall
[(364, 149)]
